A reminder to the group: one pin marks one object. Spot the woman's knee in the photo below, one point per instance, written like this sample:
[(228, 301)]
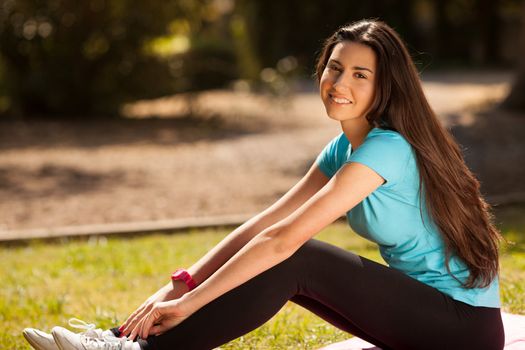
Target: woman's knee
[(311, 255), (295, 265), (304, 254), (309, 247), (316, 250)]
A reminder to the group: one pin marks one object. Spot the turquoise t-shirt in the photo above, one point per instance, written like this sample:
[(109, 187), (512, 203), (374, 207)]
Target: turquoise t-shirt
[(391, 217)]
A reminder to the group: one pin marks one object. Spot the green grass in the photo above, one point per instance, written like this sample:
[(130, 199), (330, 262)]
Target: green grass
[(101, 280)]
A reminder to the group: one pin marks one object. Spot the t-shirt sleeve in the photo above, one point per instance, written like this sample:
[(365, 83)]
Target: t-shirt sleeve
[(386, 153), (327, 159)]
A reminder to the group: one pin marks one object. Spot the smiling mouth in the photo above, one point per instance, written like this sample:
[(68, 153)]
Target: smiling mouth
[(339, 100)]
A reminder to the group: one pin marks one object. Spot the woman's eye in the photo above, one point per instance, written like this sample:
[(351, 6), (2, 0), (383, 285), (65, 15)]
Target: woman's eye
[(360, 76), (336, 68)]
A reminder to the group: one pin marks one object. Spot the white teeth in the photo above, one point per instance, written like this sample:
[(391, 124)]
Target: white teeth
[(340, 100)]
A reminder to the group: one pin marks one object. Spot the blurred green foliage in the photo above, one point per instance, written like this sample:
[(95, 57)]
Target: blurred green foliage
[(76, 57), (86, 57)]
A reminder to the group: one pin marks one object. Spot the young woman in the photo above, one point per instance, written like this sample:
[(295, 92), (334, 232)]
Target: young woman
[(401, 180)]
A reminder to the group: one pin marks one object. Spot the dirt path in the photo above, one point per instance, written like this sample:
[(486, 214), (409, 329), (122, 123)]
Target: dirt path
[(242, 154)]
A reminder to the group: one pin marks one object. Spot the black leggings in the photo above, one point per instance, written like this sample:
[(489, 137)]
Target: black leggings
[(367, 299)]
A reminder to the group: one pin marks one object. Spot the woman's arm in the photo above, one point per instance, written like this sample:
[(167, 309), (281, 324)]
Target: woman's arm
[(350, 186), (311, 183)]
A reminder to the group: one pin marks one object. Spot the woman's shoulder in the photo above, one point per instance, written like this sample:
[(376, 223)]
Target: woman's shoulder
[(386, 134), (387, 140), (337, 145), (386, 152)]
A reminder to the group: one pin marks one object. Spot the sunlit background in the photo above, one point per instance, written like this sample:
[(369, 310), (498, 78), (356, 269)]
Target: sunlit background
[(126, 111)]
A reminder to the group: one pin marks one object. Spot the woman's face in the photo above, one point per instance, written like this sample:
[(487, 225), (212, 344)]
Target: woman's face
[(347, 85)]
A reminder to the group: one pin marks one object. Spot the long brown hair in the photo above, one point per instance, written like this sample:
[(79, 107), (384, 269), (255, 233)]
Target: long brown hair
[(451, 192)]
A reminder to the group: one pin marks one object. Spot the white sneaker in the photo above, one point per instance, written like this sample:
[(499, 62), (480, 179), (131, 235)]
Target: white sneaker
[(67, 340), (40, 340), (45, 341)]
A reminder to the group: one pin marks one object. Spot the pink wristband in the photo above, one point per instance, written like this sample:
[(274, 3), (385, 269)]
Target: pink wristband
[(184, 276)]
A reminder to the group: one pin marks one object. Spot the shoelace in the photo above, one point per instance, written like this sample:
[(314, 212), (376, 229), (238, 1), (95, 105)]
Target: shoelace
[(104, 343), (79, 324)]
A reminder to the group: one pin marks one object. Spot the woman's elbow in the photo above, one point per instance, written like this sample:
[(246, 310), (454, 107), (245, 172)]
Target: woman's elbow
[(282, 241)]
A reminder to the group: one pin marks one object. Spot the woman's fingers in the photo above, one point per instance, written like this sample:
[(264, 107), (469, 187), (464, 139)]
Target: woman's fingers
[(133, 333), (135, 330), (168, 317), (134, 322), (161, 317), (133, 314), (157, 330), (135, 318), (155, 316)]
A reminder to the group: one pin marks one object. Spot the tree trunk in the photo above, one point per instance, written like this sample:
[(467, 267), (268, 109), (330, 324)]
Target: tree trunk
[(516, 99), (489, 23)]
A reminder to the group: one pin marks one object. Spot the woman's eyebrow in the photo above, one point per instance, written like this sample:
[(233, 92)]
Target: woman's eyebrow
[(355, 67), (363, 68), (334, 61)]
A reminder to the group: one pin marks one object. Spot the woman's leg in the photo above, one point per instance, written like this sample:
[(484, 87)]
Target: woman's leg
[(334, 318), (370, 300)]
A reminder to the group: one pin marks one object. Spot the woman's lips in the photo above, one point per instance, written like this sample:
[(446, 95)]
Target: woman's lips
[(339, 100)]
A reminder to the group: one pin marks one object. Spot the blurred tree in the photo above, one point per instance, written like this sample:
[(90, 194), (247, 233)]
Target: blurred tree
[(248, 58), (489, 23), (460, 32), (516, 98), (210, 59), (78, 57), (297, 28), (85, 57), (467, 31)]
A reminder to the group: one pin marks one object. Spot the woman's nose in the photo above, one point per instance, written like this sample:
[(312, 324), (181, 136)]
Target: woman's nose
[(342, 82)]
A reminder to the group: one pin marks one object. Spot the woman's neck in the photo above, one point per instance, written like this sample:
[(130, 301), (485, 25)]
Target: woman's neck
[(355, 132)]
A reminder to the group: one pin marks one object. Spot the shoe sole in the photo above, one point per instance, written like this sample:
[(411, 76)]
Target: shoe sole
[(31, 342)]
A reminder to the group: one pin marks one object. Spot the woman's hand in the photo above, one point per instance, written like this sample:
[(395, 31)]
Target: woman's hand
[(162, 317), (166, 293)]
